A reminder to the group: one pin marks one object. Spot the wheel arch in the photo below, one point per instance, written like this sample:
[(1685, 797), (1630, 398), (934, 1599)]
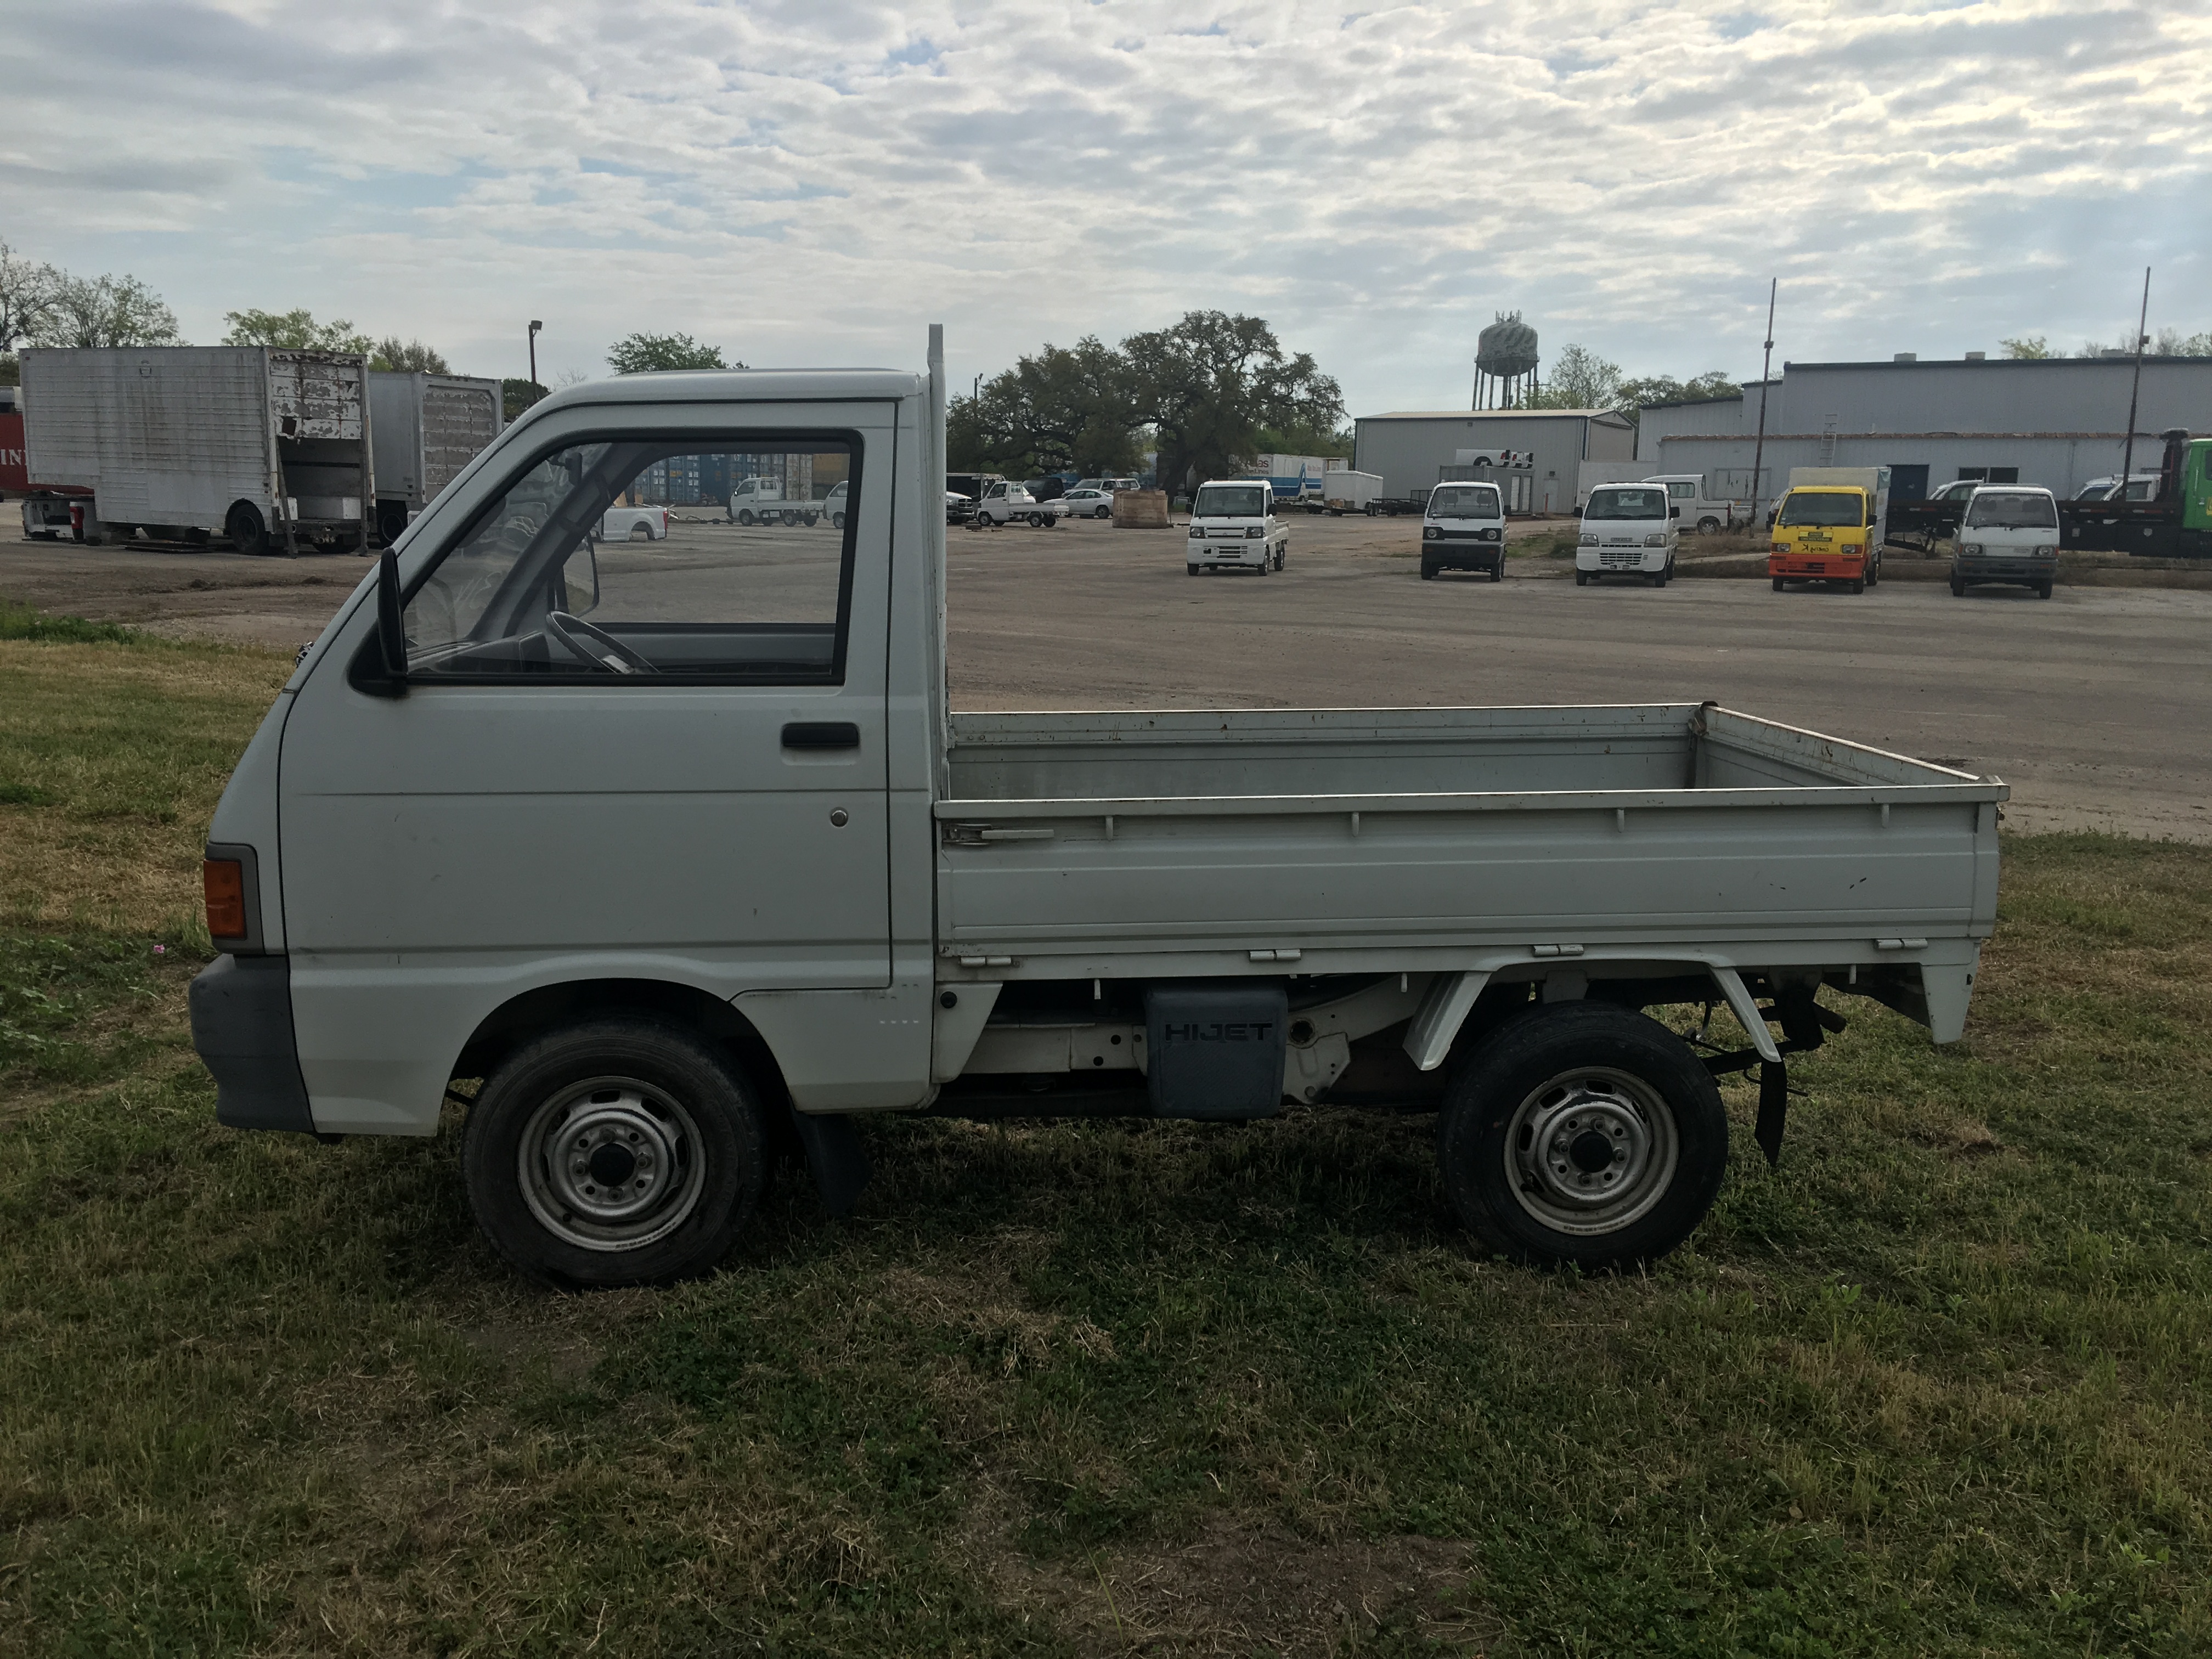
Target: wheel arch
[(530, 1013)]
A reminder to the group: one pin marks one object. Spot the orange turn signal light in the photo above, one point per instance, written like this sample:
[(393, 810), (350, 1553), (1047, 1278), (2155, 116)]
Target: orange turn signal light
[(224, 882)]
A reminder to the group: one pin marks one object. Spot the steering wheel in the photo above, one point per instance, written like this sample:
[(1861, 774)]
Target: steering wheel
[(579, 636)]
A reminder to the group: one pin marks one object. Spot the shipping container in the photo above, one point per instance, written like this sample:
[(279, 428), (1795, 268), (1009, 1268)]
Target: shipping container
[(270, 448)]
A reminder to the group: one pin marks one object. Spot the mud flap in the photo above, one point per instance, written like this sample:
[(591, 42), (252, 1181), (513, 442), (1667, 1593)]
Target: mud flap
[(834, 1157), (1773, 1108)]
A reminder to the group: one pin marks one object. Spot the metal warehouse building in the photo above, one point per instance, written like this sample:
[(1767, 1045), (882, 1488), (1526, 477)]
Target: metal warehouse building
[(1411, 451), (2058, 421)]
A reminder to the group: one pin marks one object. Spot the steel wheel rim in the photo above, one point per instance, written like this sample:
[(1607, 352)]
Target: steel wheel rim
[(612, 1163), (1555, 1141)]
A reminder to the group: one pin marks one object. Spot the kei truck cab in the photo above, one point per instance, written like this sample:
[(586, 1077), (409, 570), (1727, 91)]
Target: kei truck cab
[(662, 861), (1828, 527)]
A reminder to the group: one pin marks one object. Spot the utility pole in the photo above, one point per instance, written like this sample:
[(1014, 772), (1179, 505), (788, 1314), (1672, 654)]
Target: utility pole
[(1765, 373), (534, 326), (2128, 447)]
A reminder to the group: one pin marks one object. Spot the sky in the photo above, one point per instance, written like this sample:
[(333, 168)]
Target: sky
[(813, 183)]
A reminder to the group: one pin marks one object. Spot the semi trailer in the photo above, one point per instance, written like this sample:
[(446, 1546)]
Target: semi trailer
[(270, 448), (425, 428)]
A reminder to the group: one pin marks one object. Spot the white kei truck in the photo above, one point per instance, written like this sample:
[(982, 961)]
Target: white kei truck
[(1233, 526), (667, 861)]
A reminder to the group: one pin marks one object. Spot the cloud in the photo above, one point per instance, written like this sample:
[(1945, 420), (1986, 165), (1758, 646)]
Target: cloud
[(811, 182)]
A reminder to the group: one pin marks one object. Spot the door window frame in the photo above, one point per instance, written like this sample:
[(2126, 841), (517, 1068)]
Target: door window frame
[(683, 440)]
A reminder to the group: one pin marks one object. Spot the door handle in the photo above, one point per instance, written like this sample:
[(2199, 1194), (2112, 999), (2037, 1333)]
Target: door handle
[(821, 734)]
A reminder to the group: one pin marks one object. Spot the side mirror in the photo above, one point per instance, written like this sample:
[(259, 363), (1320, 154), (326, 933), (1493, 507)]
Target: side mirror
[(1673, 511), (379, 667), (580, 580)]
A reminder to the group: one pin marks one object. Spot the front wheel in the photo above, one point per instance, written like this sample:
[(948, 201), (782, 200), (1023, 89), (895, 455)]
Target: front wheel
[(1778, 584), (1582, 578), (1857, 585), (1103, 513), (1190, 570), (745, 515), (615, 1151), (2043, 590), (1428, 571), (1582, 1133), (1709, 526), (1958, 588)]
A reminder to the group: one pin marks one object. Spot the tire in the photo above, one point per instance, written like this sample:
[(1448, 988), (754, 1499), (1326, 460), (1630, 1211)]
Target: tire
[(1958, 588), (1371, 511), (1498, 571), (1632, 1121), (1103, 513), (2043, 590), (809, 520), (791, 518), (1778, 584), (837, 520), (1582, 578), (1191, 569), (247, 530), (651, 1099), (745, 515), (1873, 571), (1428, 571), (1857, 584), (1709, 526)]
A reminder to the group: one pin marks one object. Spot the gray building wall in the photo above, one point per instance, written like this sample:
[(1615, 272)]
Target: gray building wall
[(1409, 451), (2060, 421)]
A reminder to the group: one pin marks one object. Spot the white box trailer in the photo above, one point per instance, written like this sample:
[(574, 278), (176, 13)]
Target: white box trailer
[(1590, 474), (1343, 491), (270, 448), (425, 428), (815, 891)]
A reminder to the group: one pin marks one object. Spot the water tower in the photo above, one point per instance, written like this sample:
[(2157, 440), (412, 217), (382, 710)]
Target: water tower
[(1505, 362)]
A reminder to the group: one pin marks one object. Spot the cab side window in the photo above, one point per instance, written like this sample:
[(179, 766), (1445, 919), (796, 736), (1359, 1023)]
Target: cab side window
[(646, 559)]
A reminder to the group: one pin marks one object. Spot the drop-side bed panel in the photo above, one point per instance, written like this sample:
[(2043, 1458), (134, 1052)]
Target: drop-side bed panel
[(1816, 840)]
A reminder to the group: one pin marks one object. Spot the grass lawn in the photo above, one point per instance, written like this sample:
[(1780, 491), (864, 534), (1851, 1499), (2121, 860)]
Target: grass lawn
[(1937, 1386)]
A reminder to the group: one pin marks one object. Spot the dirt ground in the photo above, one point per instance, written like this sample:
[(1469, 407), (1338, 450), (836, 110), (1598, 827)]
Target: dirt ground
[(2096, 706)]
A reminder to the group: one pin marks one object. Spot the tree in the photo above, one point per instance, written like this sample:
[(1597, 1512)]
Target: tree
[(1704, 388), (641, 354), (1316, 438), (517, 394), (2173, 342), (412, 358), (2027, 348), (294, 330), (1580, 379), (107, 312), (28, 293), (1066, 407), (1208, 385)]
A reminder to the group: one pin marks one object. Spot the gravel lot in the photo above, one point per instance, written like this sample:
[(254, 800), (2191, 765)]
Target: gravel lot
[(2096, 705)]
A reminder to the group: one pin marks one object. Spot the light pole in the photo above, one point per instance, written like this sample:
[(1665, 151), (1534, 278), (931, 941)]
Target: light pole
[(1765, 373), (534, 326)]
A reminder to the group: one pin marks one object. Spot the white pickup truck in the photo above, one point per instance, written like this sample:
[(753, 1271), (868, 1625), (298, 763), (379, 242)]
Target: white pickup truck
[(664, 863)]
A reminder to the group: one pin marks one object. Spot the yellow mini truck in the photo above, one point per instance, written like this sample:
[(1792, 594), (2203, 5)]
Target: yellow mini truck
[(1829, 528)]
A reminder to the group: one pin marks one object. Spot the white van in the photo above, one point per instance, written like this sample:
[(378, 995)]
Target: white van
[(2009, 534), (1696, 510), (1463, 528), (1233, 527), (1628, 530)]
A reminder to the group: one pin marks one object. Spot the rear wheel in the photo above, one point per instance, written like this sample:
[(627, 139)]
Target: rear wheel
[(1582, 1133), (248, 531), (617, 1151)]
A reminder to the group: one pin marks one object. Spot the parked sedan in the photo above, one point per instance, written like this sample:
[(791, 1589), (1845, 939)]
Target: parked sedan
[(1088, 503)]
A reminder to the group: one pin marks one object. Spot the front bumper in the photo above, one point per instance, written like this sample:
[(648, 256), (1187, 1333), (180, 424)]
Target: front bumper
[(242, 1010), (1227, 553), (1463, 552), (1623, 561), (2004, 567)]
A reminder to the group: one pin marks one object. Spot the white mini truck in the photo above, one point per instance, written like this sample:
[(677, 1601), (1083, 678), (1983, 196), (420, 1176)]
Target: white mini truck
[(1233, 526), (669, 860)]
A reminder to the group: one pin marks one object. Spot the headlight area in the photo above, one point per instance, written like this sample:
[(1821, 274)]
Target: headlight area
[(1196, 534), (1253, 532), (1430, 533), (1587, 540), (1656, 539)]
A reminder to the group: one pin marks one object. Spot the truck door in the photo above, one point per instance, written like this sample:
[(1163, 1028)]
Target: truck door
[(657, 759)]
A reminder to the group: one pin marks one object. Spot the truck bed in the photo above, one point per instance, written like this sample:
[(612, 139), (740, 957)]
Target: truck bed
[(1350, 840)]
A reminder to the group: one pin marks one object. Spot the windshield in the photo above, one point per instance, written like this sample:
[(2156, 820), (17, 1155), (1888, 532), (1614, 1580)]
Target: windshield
[(1626, 504), (1803, 507), (1464, 501), (2094, 492), (1231, 502), (2003, 510)]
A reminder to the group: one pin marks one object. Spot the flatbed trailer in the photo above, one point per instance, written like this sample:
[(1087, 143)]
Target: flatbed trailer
[(657, 893)]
